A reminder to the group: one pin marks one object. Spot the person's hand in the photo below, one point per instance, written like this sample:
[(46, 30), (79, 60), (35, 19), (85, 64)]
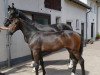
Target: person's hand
[(4, 28)]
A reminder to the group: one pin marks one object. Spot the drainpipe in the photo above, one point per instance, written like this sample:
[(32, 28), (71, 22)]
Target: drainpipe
[(8, 45), (87, 24), (97, 19)]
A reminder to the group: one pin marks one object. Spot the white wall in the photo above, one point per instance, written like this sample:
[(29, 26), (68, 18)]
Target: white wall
[(92, 18), (3, 51), (99, 20), (70, 11)]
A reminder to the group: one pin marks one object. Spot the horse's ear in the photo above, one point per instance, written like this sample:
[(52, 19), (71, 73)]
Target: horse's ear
[(9, 7), (13, 5)]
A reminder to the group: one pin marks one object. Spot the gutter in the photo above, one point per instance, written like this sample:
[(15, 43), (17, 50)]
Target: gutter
[(8, 45), (97, 21), (98, 5), (81, 3)]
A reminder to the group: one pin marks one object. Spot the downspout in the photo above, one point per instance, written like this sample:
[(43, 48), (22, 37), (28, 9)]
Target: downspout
[(8, 45), (87, 23), (97, 21)]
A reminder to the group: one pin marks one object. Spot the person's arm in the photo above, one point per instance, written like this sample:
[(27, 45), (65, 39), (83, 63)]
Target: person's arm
[(4, 28)]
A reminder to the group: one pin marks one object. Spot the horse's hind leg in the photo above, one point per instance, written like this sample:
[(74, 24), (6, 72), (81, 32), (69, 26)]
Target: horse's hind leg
[(74, 66), (70, 62), (81, 61), (42, 64)]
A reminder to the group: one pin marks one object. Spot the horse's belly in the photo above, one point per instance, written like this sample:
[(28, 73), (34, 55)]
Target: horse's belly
[(52, 46)]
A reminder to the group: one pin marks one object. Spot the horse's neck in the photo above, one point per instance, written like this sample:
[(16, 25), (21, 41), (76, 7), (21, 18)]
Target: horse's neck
[(27, 26), (24, 17), (27, 30)]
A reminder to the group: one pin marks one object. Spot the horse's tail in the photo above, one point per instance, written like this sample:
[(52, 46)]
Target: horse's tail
[(81, 45)]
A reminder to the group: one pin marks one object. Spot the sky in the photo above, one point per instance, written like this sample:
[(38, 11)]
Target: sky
[(85, 1)]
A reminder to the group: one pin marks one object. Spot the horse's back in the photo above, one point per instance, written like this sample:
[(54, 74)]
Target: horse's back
[(51, 41)]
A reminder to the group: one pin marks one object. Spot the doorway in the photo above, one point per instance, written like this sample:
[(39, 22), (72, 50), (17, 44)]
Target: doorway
[(92, 30), (82, 29)]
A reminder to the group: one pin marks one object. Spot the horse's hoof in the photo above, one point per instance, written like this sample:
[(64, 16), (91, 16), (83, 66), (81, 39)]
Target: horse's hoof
[(32, 63), (70, 66), (33, 70), (72, 73), (2, 74)]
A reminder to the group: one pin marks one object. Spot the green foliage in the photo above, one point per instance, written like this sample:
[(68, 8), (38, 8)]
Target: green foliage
[(98, 36)]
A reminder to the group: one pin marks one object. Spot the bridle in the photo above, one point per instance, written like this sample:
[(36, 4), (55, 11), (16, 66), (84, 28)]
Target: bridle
[(10, 20)]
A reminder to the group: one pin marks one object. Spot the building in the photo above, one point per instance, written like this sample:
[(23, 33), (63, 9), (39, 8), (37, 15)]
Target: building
[(98, 16), (72, 12), (92, 19)]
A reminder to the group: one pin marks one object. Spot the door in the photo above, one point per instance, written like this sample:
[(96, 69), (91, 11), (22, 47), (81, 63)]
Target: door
[(92, 30), (82, 29)]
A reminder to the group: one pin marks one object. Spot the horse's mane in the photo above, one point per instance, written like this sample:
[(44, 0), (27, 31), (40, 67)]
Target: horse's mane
[(24, 17)]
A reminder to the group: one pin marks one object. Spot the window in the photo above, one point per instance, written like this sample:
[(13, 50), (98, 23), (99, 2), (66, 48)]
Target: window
[(41, 18), (77, 24), (69, 23), (53, 4)]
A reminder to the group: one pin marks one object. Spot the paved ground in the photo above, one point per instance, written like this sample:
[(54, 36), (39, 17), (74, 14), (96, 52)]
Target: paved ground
[(57, 63)]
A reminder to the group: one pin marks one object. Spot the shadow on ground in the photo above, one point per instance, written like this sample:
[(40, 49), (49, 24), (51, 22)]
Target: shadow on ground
[(49, 71), (56, 62), (52, 71)]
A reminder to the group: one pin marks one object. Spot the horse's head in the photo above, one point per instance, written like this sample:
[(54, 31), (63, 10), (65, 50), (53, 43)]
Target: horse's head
[(13, 19)]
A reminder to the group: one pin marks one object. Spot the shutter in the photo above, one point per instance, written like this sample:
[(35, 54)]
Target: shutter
[(53, 4), (47, 3)]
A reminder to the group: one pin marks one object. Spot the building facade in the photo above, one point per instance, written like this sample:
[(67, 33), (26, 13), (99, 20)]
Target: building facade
[(72, 12)]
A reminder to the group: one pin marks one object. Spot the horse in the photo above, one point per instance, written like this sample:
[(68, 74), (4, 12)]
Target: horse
[(49, 41)]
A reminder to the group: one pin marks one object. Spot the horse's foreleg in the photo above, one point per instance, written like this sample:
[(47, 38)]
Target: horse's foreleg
[(42, 64), (36, 60), (81, 61)]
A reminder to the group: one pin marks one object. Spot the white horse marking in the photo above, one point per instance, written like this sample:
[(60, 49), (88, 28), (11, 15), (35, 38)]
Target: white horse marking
[(70, 64), (72, 73)]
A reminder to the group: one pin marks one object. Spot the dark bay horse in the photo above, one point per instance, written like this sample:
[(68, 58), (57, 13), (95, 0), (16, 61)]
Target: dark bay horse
[(39, 41)]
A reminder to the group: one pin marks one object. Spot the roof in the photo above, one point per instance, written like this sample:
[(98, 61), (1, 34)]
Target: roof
[(81, 3)]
